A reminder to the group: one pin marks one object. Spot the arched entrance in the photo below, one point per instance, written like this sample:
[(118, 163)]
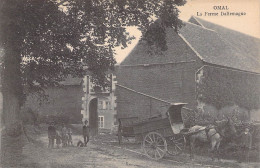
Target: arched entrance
[(93, 117)]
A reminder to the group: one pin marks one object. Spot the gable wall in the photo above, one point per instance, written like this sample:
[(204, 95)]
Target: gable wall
[(169, 75), (172, 83)]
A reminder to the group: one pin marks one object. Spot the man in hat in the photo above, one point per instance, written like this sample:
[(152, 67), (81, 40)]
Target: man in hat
[(119, 133), (85, 132), (51, 135), (246, 144)]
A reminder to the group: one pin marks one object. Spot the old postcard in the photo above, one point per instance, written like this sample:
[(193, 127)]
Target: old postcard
[(130, 83)]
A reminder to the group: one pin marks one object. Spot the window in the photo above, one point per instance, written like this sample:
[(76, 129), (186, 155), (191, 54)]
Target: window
[(100, 121), (108, 106), (104, 105), (100, 104)]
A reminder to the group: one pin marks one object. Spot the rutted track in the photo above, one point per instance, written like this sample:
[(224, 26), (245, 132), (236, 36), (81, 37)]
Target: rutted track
[(170, 160)]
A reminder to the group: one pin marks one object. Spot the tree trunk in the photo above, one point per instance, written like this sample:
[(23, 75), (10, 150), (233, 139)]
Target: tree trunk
[(11, 139), (11, 125), (12, 34)]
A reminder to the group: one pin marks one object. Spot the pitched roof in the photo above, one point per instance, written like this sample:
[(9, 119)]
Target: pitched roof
[(216, 49), (140, 54), (71, 81), (245, 42), (211, 43), (238, 50)]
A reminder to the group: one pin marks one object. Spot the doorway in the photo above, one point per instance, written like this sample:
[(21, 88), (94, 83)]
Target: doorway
[(93, 117)]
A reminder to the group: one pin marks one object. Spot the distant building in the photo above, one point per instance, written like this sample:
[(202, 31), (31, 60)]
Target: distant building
[(79, 101), (99, 105), (147, 83)]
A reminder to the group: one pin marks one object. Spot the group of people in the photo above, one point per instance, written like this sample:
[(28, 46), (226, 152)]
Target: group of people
[(63, 137)]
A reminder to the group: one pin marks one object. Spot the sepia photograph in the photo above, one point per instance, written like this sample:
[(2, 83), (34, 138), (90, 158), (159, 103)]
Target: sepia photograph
[(130, 83)]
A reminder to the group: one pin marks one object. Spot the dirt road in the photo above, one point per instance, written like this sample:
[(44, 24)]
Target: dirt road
[(100, 154), (93, 156)]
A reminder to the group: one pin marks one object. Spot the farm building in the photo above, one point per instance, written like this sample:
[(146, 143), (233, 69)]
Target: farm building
[(212, 68), (76, 102), (65, 101), (98, 105)]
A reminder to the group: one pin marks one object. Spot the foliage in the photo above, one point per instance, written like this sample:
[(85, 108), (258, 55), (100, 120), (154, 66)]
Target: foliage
[(221, 87), (196, 117), (57, 119), (29, 116), (46, 40)]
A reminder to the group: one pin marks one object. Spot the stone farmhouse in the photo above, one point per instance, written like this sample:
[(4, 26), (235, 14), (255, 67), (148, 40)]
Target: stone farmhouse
[(212, 68)]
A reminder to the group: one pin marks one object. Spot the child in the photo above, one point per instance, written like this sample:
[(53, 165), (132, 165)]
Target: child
[(58, 139), (69, 137)]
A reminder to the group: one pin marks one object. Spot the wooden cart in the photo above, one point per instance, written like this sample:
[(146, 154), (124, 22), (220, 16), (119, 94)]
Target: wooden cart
[(159, 135)]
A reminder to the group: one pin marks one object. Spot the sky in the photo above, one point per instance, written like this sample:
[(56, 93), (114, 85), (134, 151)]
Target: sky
[(248, 24)]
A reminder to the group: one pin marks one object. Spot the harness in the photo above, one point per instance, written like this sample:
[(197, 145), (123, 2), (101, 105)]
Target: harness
[(207, 132), (217, 132), (207, 129)]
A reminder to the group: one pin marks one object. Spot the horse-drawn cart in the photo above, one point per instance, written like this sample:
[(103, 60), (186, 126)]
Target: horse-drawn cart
[(159, 135)]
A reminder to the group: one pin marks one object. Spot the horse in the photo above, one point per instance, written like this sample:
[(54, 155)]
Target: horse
[(213, 134)]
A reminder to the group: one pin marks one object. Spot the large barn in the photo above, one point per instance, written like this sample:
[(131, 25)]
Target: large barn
[(212, 68)]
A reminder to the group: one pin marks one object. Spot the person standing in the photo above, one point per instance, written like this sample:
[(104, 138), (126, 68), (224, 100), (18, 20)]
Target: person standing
[(58, 139), (64, 135), (85, 131), (119, 133), (51, 135), (70, 137), (246, 144)]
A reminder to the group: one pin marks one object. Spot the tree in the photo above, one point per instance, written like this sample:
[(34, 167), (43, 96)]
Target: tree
[(43, 41)]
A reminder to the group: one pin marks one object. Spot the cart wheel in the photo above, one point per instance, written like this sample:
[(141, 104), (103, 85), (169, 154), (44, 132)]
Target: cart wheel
[(176, 144), (154, 145)]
